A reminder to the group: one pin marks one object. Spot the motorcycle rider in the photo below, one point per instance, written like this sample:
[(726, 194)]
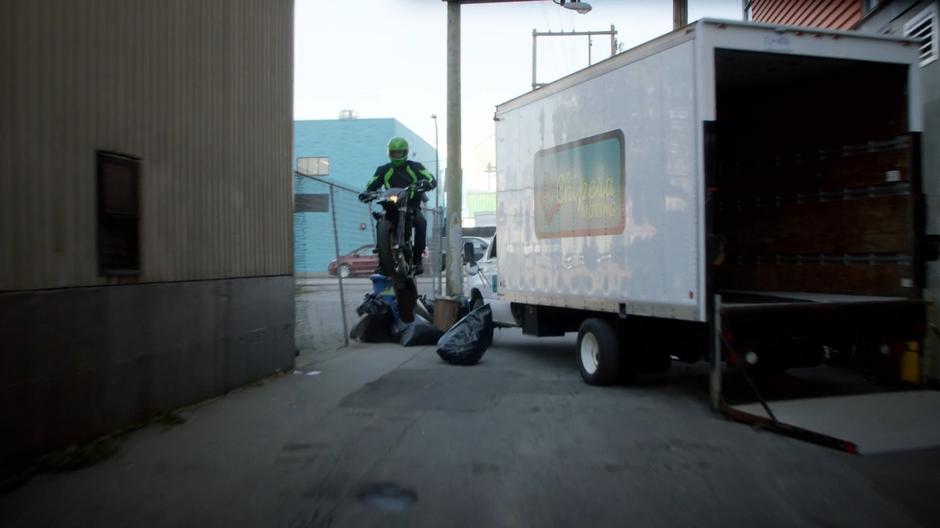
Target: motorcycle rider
[(401, 172)]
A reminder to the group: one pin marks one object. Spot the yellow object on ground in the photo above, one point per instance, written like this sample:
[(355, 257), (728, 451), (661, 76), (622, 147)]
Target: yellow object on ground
[(910, 362)]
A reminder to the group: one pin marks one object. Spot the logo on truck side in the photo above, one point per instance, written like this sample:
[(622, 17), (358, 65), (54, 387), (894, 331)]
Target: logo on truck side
[(579, 187), (777, 42)]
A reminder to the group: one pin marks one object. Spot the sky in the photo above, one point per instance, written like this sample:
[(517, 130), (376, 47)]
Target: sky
[(387, 58)]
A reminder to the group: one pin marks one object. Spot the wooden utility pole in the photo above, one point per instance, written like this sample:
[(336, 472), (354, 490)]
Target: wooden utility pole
[(454, 168), (445, 308)]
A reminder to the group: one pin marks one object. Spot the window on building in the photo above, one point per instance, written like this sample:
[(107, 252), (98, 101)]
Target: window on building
[(316, 167), (312, 203), (923, 27), (118, 214)]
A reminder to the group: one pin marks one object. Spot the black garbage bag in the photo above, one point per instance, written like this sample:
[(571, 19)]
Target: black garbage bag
[(376, 327), (468, 339), (420, 333), (463, 307)]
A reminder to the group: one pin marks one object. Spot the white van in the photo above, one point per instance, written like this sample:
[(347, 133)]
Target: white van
[(482, 281)]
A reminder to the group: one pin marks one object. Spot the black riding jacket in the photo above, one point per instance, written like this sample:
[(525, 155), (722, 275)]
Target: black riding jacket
[(407, 174)]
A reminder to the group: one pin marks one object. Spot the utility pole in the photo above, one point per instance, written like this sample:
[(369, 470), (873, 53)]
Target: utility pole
[(680, 13), (490, 171), (454, 172), (454, 163), (588, 34)]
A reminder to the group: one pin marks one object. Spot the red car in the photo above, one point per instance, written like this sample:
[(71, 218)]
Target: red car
[(360, 261)]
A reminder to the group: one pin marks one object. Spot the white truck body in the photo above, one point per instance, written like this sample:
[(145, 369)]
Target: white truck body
[(601, 187)]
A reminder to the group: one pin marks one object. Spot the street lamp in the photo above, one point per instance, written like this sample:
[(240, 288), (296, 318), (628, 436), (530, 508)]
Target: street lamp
[(437, 164), (437, 213), (576, 5)]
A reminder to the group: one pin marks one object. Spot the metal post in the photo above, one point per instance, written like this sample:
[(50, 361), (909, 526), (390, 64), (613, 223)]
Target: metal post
[(590, 44), (375, 239), (714, 382), (339, 276), (613, 41), (534, 55), (436, 261), (454, 167), (680, 13)]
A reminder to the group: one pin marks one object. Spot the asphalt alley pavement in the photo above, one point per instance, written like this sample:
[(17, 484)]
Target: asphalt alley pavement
[(382, 435)]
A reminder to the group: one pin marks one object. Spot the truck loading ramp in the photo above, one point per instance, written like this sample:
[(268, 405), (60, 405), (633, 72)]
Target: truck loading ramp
[(866, 424)]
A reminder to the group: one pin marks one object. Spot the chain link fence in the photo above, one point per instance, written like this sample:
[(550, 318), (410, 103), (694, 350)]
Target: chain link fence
[(334, 242)]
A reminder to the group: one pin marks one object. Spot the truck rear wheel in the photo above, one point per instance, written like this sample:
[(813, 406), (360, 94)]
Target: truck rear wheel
[(598, 353)]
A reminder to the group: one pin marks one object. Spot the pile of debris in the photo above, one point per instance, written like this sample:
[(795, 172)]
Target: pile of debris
[(464, 343)]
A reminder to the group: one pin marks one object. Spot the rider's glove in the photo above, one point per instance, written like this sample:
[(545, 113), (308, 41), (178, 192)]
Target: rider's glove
[(364, 197), (423, 185)]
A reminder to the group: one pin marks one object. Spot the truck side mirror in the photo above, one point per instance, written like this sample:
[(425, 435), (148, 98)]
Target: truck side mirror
[(468, 255)]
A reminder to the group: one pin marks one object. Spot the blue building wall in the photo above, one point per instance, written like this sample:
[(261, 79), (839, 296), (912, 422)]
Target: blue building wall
[(355, 148)]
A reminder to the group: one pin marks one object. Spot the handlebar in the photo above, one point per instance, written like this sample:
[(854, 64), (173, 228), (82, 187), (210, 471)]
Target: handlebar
[(422, 186), (368, 196), (419, 186)]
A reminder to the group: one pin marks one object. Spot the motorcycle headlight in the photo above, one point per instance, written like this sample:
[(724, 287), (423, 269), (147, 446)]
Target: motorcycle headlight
[(393, 198)]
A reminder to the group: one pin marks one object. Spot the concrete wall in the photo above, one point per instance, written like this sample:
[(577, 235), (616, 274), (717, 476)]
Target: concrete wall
[(201, 92), (890, 20), (355, 148), (79, 362)]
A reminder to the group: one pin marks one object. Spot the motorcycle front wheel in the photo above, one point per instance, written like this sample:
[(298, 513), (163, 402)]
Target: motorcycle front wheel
[(384, 240)]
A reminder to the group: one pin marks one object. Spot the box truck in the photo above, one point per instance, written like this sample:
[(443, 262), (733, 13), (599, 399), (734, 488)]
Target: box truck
[(729, 191)]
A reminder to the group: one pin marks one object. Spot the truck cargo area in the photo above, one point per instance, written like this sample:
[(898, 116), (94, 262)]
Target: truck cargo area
[(814, 199), (814, 196)]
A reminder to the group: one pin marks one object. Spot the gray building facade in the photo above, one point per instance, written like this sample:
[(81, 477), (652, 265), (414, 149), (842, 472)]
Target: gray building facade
[(146, 243)]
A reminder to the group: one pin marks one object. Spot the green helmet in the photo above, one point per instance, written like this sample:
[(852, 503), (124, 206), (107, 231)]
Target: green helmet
[(398, 151)]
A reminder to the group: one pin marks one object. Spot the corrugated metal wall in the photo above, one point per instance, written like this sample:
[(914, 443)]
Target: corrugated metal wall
[(200, 90), (832, 14)]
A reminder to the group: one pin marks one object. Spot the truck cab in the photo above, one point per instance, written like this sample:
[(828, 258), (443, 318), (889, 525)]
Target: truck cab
[(483, 280)]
